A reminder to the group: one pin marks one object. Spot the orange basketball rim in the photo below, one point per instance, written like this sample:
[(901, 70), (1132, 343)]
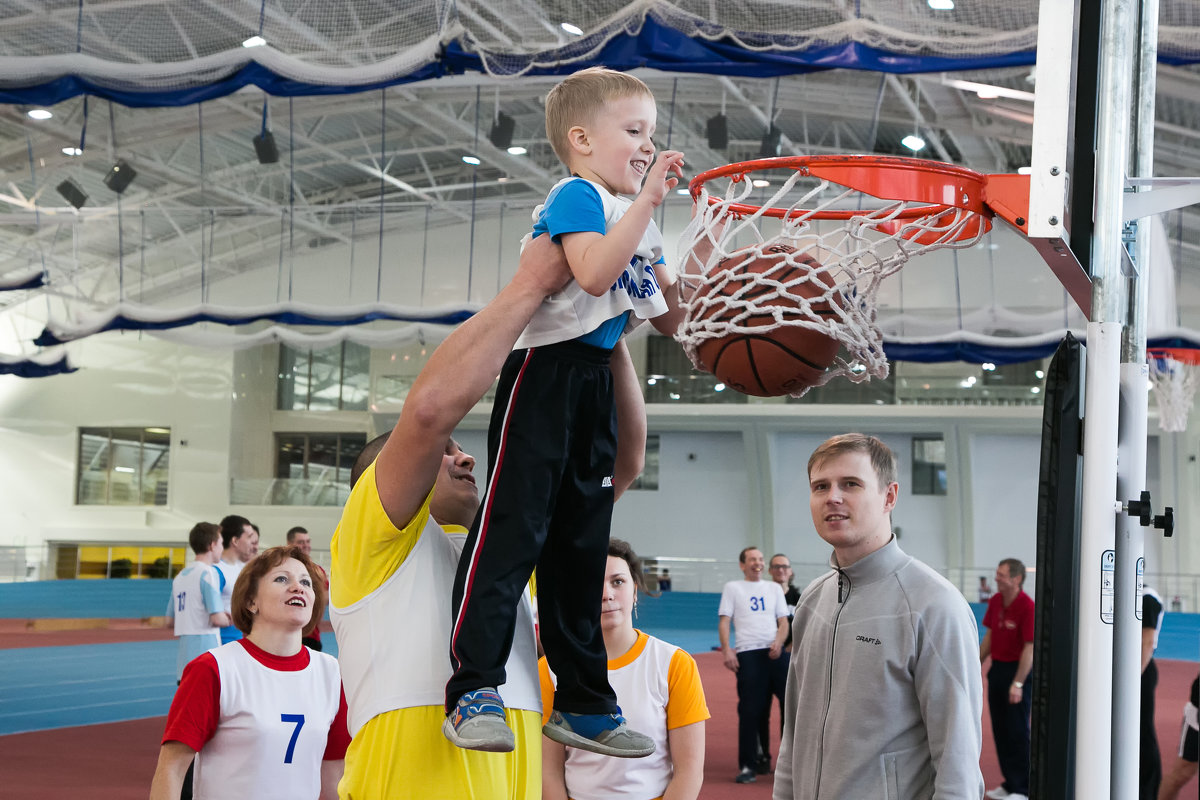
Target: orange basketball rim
[(929, 189)]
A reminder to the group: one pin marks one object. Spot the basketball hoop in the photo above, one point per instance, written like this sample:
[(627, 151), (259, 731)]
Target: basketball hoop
[(861, 218), (1175, 376)]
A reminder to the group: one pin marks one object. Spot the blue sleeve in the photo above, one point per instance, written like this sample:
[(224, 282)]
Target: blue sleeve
[(211, 591), (572, 207)]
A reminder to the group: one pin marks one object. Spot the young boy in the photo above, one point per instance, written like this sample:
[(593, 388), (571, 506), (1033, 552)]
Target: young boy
[(552, 438), (195, 608)]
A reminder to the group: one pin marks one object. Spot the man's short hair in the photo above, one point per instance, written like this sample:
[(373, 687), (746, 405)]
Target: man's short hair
[(366, 456), (883, 460), (201, 537), (291, 534), (742, 555), (232, 527), (578, 97), (1016, 569), (780, 555)]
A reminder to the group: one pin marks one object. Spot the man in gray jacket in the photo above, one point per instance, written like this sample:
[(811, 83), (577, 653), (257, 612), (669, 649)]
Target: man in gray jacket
[(884, 694)]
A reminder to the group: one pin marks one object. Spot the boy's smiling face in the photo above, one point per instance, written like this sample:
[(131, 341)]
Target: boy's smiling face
[(614, 149)]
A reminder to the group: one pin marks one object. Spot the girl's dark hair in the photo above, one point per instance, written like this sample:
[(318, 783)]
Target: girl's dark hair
[(619, 548)]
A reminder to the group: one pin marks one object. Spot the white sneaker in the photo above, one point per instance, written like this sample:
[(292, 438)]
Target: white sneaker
[(999, 793)]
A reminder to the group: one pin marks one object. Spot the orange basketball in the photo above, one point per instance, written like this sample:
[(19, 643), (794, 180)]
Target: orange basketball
[(777, 362)]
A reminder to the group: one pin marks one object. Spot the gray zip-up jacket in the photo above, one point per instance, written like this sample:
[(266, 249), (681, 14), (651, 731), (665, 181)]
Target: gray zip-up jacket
[(884, 695)]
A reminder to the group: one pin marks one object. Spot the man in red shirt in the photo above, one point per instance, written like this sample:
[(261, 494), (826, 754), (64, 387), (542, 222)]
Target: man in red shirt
[(1009, 641)]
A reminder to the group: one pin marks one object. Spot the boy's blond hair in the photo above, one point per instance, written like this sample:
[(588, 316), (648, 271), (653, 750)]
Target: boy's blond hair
[(578, 97)]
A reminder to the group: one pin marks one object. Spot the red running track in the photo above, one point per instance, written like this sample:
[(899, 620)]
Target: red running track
[(116, 761)]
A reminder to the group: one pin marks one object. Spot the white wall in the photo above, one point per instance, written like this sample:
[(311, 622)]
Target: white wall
[(1004, 491)]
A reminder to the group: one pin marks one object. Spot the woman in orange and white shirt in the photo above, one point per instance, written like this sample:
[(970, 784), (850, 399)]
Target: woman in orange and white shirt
[(660, 694)]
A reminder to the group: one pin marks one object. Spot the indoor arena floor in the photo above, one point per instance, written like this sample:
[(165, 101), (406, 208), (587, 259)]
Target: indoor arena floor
[(82, 715)]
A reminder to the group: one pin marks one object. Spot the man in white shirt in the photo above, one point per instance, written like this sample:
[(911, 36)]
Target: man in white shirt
[(759, 614), (241, 544)]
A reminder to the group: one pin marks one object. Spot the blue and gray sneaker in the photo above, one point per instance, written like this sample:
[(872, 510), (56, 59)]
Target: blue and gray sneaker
[(605, 734), (477, 723)]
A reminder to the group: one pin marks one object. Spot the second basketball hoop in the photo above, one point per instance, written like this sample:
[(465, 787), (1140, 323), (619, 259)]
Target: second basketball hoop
[(786, 287)]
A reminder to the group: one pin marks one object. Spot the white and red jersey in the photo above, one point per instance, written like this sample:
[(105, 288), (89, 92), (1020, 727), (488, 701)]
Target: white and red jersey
[(261, 724)]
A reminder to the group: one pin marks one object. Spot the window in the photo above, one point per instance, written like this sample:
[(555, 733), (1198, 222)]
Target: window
[(314, 468), (123, 466), (334, 379), (928, 465), (648, 480)]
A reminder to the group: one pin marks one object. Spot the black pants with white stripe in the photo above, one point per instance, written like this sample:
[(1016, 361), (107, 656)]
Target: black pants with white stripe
[(548, 504)]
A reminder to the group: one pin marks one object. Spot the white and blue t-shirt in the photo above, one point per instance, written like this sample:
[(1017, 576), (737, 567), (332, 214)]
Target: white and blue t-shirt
[(195, 594), (576, 205)]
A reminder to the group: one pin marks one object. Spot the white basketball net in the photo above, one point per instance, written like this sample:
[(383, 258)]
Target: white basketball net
[(1175, 383), (855, 254)]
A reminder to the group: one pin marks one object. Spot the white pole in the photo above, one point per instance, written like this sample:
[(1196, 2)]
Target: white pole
[(1094, 731), (1097, 562), (1131, 473)]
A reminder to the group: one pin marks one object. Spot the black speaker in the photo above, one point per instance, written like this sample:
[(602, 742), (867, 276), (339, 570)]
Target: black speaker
[(718, 132), (770, 143), (120, 176), (502, 131), (264, 147), (71, 192)]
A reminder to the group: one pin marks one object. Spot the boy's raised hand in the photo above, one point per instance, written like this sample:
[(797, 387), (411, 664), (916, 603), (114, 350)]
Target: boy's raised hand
[(662, 176)]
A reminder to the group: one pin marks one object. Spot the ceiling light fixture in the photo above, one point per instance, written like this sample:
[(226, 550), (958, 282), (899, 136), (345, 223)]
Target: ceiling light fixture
[(39, 113), (264, 143), (717, 130), (760, 183), (472, 160), (574, 30), (120, 176), (254, 41), (941, 5), (71, 192), (771, 142), (501, 135), (72, 151), (913, 142), (517, 150)]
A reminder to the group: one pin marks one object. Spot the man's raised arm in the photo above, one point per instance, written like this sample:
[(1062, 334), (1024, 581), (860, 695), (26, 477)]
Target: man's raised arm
[(458, 373)]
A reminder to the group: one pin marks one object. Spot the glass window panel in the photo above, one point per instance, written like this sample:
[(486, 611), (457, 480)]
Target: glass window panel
[(648, 480), (928, 465), (356, 376), (289, 460), (293, 379), (324, 393), (93, 467), (123, 466), (322, 453)]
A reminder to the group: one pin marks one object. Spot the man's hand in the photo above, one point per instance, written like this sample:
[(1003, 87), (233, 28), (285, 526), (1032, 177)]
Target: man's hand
[(776, 650), (659, 180), (543, 265), (1014, 693), (731, 662)]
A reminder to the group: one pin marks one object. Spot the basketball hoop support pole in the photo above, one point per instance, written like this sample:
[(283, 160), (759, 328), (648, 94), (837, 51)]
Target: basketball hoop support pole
[(1131, 471), (1095, 733)]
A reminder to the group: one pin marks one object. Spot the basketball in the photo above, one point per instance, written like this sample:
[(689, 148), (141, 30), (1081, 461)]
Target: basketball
[(786, 360)]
